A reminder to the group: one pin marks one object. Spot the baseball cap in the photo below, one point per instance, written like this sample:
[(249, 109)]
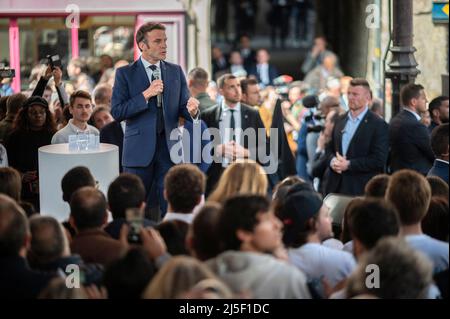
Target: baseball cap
[(36, 100)]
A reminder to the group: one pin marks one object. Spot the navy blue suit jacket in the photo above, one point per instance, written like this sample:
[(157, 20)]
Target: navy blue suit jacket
[(129, 104), (410, 144), (273, 73), (367, 152), (112, 133), (439, 169)]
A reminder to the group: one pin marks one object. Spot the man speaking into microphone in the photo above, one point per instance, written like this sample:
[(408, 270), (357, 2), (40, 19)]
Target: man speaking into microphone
[(151, 94)]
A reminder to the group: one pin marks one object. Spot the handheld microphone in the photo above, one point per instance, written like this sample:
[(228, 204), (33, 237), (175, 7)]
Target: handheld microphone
[(157, 76)]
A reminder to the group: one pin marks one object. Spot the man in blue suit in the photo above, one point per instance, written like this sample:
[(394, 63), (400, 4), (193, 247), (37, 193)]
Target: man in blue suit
[(151, 94), (439, 145)]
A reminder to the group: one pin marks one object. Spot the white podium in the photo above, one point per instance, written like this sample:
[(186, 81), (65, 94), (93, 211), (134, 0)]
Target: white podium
[(56, 160)]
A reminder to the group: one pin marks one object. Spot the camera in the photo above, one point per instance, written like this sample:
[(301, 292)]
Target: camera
[(315, 128), (311, 101), (7, 73), (54, 61)]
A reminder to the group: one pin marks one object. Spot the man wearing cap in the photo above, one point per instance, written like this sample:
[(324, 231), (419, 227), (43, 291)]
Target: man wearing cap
[(307, 224)]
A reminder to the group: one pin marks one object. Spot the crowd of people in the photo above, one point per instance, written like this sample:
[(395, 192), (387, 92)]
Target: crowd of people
[(227, 229)]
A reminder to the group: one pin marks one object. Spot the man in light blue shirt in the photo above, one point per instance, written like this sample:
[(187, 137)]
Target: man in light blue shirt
[(351, 127), (359, 144), (412, 207)]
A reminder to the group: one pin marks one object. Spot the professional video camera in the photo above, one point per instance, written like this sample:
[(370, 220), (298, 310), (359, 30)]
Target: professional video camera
[(315, 120)]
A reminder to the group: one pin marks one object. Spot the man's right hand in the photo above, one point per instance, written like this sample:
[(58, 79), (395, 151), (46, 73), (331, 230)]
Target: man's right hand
[(57, 75), (48, 73), (155, 88)]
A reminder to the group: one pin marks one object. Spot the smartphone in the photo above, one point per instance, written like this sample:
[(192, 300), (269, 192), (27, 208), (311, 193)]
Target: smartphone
[(135, 220), (54, 61)]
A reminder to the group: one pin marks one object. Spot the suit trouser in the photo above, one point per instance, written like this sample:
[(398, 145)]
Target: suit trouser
[(153, 175)]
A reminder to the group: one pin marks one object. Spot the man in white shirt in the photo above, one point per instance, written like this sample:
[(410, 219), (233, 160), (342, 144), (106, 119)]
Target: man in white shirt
[(184, 186), (235, 121), (264, 71), (81, 109), (410, 193)]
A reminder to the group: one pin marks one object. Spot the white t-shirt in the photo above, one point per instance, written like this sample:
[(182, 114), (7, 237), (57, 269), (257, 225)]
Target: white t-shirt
[(436, 250), (317, 261)]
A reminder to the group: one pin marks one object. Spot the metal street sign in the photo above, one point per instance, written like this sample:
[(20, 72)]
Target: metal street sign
[(440, 12)]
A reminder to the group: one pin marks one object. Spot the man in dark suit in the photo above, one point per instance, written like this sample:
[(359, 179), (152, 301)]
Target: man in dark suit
[(409, 138), (112, 133), (264, 72), (439, 144), (359, 144), (247, 53), (231, 119), (151, 94), (17, 280)]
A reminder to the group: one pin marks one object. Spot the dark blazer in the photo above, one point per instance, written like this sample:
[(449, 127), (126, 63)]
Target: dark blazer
[(112, 133), (18, 281), (367, 152), (410, 144), (439, 169), (249, 119), (273, 73), (129, 104)]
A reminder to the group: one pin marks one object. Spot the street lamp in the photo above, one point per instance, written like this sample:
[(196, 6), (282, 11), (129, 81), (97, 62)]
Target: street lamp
[(403, 66)]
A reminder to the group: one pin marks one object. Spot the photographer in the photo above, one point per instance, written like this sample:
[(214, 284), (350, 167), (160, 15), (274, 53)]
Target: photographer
[(323, 150), (309, 133), (53, 69)]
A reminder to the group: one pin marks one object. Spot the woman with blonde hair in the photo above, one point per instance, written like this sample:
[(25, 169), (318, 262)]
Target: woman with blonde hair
[(241, 177), (177, 277)]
